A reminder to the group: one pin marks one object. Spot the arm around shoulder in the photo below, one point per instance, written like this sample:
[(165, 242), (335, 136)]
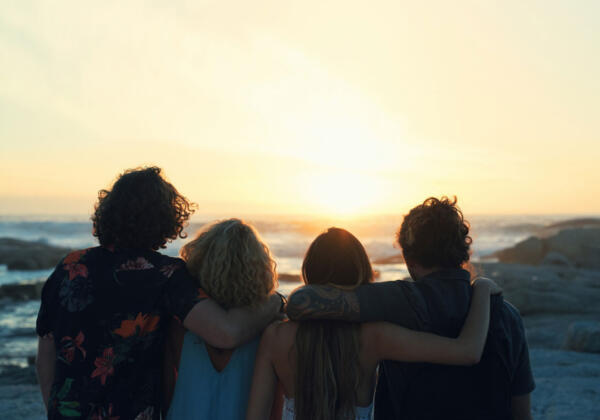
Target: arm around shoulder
[(393, 342), (231, 328), (366, 303)]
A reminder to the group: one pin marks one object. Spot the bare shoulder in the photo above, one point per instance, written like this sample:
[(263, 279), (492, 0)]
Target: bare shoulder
[(280, 332)]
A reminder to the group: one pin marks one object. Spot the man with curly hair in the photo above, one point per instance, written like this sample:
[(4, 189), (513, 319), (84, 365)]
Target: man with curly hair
[(435, 243), (105, 310)]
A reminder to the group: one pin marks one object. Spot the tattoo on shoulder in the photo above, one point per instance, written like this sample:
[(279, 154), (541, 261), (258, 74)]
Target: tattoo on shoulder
[(323, 302)]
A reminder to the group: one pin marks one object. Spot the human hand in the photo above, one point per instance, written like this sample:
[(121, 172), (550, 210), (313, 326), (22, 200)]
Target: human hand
[(490, 284)]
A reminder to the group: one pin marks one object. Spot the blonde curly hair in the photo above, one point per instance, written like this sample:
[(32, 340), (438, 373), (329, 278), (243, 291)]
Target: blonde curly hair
[(231, 263)]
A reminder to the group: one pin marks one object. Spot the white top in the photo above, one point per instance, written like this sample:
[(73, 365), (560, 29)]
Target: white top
[(362, 413)]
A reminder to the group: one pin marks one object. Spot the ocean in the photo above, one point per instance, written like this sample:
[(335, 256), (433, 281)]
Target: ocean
[(288, 237)]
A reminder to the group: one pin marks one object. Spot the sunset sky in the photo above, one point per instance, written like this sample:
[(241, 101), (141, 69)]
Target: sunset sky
[(324, 107)]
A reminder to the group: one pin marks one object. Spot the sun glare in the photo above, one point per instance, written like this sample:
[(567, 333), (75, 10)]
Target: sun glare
[(342, 193)]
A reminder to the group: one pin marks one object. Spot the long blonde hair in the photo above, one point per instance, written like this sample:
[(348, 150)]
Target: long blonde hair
[(327, 352), (231, 263)]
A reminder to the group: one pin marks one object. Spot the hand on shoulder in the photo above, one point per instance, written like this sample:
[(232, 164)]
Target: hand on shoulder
[(479, 282)]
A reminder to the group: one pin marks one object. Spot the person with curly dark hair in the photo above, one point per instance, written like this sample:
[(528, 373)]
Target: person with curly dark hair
[(142, 210), (105, 310), (435, 242)]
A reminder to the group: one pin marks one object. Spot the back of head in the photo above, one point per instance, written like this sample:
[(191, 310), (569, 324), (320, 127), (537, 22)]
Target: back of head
[(435, 234), (141, 210), (327, 352), (337, 258), (231, 263)]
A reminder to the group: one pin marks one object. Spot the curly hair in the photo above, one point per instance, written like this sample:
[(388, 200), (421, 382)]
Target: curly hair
[(231, 263), (435, 234), (142, 210)]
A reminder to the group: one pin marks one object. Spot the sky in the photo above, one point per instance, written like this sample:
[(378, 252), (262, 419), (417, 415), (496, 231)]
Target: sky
[(307, 107)]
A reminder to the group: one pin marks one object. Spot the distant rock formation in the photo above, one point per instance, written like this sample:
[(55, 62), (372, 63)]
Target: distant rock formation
[(588, 222), (22, 291), (547, 290), (578, 247), (27, 255)]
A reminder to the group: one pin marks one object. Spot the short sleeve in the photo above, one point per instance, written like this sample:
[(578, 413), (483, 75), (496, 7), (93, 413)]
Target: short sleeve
[(522, 376), (523, 382), (48, 313), (182, 294)]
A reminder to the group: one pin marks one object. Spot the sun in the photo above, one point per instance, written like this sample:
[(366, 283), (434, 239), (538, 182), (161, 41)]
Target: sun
[(342, 193)]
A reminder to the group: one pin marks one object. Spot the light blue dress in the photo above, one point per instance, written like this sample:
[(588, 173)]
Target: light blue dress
[(203, 393)]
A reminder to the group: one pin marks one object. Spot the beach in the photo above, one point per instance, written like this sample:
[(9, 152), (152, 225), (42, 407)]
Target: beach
[(556, 293)]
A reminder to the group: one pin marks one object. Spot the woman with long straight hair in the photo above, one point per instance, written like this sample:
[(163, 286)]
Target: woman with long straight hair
[(328, 368)]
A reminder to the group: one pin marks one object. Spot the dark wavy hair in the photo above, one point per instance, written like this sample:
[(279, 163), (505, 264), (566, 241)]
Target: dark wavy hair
[(142, 210), (435, 234)]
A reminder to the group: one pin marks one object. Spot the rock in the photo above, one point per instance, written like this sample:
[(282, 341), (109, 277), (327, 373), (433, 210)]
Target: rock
[(529, 251), (556, 258), (579, 247), (584, 222), (27, 255), (23, 291), (549, 331), (583, 336), (547, 289), (566, 385)]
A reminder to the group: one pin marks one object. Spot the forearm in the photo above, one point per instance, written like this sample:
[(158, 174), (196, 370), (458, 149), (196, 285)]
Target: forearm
[(229, 329), (323, 302), (474, 332), (245, 324), (45, 362)]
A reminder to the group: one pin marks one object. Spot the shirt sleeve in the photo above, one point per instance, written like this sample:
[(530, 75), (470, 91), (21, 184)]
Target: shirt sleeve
[(47, 315), (392, 301), (523, 382), (182, 294)]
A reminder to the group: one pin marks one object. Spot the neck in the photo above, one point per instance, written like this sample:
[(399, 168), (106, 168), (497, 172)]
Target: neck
[(418, 272)]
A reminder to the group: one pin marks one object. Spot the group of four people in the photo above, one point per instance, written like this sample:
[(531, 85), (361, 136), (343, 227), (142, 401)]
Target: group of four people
[(129, 333)]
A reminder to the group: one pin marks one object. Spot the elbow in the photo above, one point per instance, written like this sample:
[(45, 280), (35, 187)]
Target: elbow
[(473, 358), (297, 304)]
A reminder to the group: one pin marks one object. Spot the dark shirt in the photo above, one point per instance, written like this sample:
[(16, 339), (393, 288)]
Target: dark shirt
[(439, 303), (108, 311)]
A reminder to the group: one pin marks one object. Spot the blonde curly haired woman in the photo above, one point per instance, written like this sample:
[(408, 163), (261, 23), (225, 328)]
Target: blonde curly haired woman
[(234, 267)]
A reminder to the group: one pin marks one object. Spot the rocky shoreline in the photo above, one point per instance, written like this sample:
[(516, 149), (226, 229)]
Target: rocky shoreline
[(18, 254), (558, 298)]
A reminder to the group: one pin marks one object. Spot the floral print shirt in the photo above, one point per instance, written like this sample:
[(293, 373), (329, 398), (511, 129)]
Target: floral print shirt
[(108, 311)]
